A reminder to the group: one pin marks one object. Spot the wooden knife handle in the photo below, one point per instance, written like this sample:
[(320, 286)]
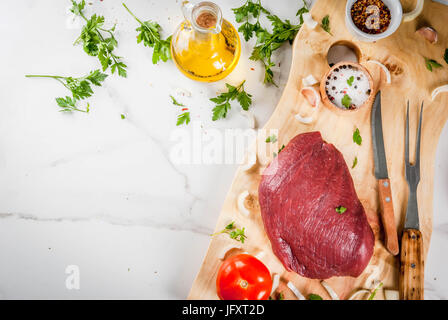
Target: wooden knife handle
[(387, 216), (412, 266)]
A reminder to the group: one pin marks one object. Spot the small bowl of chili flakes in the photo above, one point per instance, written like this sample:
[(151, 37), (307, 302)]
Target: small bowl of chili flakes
[(372, 20)]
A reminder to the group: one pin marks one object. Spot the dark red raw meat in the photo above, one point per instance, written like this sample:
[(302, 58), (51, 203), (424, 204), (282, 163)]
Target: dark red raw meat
[(299, 193)]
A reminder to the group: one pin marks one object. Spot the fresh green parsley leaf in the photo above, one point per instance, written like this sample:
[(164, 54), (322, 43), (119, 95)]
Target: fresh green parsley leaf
[(96, 77), (81, 88), (281, 296), (267, 42), (282, 31), (244, 100), (68, 104), (223, 100), (326, 24), (357, 137), (355, 162), (301, 11), (123, 116), (238, 235), (183, 118), (341, 209), (233, 232), (271, 139), (230, 226), (243, 15), (313, 296), (346, 101), (350, 81), (445, 56), (149, 34), (78, 7), (432, 64), (175, 102), (98, 41), (220, 111), (373, 294), (281, 149)]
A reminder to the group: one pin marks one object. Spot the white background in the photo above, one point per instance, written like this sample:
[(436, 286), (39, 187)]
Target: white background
[(100, 192)]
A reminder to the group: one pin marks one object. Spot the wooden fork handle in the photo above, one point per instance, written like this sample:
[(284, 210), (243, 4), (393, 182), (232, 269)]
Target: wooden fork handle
[(387, 216), (412, 266)]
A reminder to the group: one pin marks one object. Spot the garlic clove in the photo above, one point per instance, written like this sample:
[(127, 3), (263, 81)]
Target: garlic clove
[(312, 96), (428, 33)]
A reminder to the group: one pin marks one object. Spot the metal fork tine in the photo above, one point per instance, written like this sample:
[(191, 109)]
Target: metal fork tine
[(406, 152), (419, 133)]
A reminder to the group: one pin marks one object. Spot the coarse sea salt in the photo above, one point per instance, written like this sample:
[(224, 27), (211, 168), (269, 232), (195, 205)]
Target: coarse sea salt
[(347, 80)]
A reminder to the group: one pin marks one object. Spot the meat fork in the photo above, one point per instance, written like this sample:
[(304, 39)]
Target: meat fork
[(411, 258)]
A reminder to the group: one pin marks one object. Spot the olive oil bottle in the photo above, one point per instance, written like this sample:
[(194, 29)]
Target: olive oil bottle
[(205, 47)]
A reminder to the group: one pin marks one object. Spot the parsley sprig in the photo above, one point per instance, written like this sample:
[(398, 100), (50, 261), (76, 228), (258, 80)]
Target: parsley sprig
[(98, 41), (340, 209), (357, 137), (244, 13), (355, 162), (325, 24), (233, 232), (183, 118), (432, 64), (281, 148), (271, 139), (373, 294), (79, 87), (275, 154), (445, 56), (346, 101), (175, 102), (149, 34), (267, 42), (223, 100), (350, 80)]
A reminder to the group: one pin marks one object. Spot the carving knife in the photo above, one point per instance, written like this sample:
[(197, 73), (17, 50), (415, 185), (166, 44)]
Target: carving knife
[(381, 174)]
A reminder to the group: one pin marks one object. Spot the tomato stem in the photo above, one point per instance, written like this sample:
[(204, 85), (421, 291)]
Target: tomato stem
[(244, 284)]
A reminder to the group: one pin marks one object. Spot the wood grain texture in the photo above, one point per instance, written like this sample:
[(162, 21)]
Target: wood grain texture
[(388, 216), (403, 54), (412, 267)]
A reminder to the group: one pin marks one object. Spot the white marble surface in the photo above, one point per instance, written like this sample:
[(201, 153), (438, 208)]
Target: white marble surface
[(102, 193)]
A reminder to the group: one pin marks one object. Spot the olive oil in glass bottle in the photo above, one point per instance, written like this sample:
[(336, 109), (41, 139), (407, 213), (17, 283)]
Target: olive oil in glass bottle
[(205, 47)]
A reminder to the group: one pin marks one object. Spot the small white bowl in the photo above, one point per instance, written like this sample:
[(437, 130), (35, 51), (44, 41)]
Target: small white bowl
[(396, 13)]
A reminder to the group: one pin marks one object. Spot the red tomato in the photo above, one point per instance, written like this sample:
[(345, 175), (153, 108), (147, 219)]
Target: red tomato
[(243, 277)]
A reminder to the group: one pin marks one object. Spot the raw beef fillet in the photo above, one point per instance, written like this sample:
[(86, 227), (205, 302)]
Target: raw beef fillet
[(299, 193)]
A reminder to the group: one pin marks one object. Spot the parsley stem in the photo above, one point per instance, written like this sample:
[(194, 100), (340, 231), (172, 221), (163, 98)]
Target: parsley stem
[(43, 76), (219, 232), (58, 78), (114, 57), (54, 77), (74, 109), (132, 14), (241, 85), (143, 25)]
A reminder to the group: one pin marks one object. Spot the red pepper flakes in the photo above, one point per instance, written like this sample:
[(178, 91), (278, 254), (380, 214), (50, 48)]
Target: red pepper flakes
[(360, 16)]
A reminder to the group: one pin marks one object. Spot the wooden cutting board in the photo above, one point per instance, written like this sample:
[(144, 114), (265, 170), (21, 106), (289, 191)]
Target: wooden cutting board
[(403, 53)]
